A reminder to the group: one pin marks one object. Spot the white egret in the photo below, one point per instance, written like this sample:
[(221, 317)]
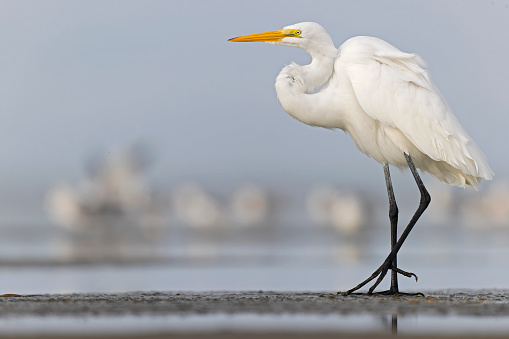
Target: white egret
[(197, 208), (388, 104)]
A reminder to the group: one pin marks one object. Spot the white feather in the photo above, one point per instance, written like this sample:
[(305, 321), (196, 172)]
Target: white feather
[(392, 88), (385, 100)]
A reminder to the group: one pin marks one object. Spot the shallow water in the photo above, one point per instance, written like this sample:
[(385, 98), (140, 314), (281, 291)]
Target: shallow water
[(293, 259), (302, 323), (110, 279), (288, 259)]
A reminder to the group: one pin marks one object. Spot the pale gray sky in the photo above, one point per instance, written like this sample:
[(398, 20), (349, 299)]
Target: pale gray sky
[(79, 76)]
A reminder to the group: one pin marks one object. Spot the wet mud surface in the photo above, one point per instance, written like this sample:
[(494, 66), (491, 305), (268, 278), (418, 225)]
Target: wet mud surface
[(481, 303)]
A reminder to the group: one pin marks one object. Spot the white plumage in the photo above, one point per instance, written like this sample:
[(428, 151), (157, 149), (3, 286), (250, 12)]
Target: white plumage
[(383, 98), (388, 104), (409, 111)]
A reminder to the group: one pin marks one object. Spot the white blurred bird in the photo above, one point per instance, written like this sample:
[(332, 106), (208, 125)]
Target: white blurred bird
[(492, 210), (344, 211), (197, 208), (249, 205), (113, 214), (388, 104)]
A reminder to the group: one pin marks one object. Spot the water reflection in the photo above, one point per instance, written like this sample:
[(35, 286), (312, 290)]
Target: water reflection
[(390, 323), (394, 324), (311, 324)]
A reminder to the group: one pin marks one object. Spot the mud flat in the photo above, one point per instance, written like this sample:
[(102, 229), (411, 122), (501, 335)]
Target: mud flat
[(256, 314)]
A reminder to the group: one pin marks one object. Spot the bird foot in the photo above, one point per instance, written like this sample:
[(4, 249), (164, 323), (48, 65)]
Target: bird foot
[(381, 272), (397, 293)]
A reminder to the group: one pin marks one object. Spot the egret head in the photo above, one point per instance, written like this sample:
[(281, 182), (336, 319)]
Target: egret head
[(309, 36)]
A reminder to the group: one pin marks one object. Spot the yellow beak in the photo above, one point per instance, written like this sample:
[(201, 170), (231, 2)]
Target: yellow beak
[(268, 36)]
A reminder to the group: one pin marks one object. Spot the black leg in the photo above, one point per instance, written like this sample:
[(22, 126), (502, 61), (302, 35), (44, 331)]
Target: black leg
[(387, 264), (393, 216)]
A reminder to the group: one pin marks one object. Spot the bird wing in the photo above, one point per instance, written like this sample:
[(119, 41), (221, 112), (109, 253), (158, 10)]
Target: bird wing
[(393, 88)]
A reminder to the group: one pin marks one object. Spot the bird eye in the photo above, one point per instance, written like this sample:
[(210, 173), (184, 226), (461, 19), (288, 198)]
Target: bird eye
[(298, 32)]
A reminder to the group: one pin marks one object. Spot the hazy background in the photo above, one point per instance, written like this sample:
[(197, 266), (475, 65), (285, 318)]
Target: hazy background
[(83, 80), (80, 77)]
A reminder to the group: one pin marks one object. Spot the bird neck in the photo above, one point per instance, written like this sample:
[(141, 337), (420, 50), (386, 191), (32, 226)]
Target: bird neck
[(312, 76), (295, 87), (319, 71)]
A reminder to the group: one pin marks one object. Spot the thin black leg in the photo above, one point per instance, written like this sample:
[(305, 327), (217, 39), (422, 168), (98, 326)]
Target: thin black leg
[(393, 216), (387, 264)]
